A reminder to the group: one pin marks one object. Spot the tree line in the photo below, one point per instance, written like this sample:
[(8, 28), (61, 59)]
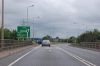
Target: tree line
[(9, 34), (88, 36)]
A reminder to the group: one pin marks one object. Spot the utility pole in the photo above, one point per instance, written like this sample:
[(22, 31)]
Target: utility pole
[(2, 26), (23, 24), (33, 28), (34, 25)]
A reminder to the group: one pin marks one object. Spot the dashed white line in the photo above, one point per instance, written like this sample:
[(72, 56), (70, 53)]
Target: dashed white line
[(11, 64), (77, 57)]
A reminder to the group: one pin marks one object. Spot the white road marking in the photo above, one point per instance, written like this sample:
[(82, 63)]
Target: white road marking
[(46, 48), (11, 64), (77, 57), (50, 50)]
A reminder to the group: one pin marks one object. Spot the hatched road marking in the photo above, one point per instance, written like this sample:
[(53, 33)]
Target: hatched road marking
[(77, 57)]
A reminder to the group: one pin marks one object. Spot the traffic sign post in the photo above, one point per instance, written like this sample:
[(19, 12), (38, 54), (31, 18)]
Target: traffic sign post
[(23, 32)]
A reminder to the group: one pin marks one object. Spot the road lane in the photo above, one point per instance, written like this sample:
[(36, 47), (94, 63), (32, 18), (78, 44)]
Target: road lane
[(88, 55), (45, 56), (7, 60), (11, 64), (77, 57)]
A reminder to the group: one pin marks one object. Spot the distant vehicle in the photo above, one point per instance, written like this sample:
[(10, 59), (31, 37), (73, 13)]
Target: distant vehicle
[(46, 43), (39, 41)]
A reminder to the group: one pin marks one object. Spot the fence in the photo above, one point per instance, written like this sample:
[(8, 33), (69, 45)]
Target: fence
[(9, 44), (90, 44), (95, 45)]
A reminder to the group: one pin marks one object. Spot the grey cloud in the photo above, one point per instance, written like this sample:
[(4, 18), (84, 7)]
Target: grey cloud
[(87, 10), (57, 17)]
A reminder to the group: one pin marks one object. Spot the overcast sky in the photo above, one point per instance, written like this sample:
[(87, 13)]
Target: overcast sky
[(63, 18)]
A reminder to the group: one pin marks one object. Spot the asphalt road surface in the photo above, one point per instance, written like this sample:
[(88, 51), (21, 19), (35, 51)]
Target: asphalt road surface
[(56, 55)]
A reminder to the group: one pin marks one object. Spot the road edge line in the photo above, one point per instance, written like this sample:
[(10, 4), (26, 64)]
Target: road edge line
[(23, 56)]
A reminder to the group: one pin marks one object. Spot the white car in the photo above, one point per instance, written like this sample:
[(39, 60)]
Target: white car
[(46, 43)]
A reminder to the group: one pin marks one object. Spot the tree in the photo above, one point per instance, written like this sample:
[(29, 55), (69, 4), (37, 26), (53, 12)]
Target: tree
[(89, 36), (72, 39), (0, 33), (47, 37), (8, 34), (14, 34), (57, 37)]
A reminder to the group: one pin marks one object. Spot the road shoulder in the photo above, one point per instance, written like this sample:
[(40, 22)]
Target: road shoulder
[(6, 53)]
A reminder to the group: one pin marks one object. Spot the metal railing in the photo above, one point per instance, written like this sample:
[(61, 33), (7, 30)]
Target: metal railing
[(10, 44), (95, 45)]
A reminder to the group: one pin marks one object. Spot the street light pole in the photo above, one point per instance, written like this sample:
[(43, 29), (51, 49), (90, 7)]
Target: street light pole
[(27, 14), (28, 10), (2, 26)]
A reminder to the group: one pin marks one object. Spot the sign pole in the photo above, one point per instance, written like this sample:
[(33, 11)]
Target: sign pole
[(2, 27)]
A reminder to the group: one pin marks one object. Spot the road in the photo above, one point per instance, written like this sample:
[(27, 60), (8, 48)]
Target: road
[(56, 55)]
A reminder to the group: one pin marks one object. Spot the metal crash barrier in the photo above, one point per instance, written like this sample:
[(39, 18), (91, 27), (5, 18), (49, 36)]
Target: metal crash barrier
[(95, 45), (10, 44)]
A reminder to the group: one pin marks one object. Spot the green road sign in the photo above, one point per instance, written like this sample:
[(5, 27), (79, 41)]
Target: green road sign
[(23, 32)]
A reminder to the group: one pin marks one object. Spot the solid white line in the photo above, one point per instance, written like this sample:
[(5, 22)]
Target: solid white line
[(77, 57), (11, 64)]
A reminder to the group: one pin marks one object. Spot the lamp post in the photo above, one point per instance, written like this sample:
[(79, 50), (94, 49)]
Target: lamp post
[(2, 25), (27, 15), (28, 10)]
